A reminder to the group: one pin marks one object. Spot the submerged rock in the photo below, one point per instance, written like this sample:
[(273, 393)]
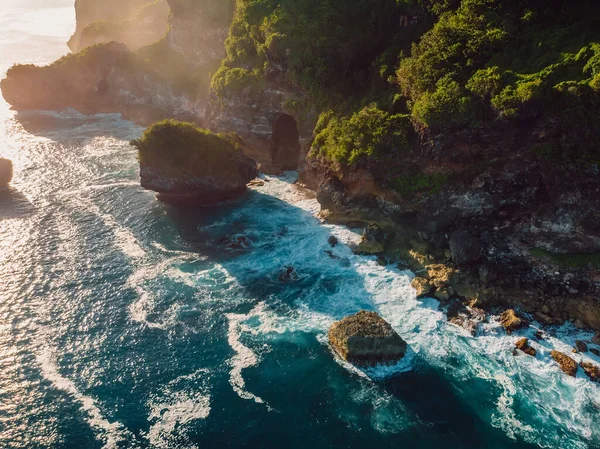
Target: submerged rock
[(510, 321), (595, 351), (566, 363), (188, 165), (6, 173), (366, 339), (288, 274), (333, 241), (591, 370), (523, 345)]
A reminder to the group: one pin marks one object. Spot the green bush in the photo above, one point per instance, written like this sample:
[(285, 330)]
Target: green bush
[(175, 146), (419, 184), (448, 105), (370, 134)]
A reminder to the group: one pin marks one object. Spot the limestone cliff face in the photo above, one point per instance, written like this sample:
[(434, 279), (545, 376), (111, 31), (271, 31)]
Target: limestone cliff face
[(276, 135), (198, 32), (169, 78), (135, 23), (529, 226)]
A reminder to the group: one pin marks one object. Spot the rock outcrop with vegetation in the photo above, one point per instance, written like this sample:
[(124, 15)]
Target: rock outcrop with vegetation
[(168, 77), (189, 165), (366, 339)]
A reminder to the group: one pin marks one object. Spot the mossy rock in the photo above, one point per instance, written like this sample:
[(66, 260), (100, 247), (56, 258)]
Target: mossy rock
[(180, 160)]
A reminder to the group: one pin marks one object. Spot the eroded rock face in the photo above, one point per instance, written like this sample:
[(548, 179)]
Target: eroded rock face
[(591, 370), (523, 345), (510, 321), (465, 248), (135, 23), (366, 339), (6, 173), (566, 363)]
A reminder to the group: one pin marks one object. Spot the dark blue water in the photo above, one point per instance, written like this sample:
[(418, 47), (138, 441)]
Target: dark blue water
[(125, 323)]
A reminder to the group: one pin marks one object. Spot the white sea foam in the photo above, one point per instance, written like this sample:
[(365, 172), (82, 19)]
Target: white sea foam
[(179, 403), (532, 393), (244, 357), (113, 434)]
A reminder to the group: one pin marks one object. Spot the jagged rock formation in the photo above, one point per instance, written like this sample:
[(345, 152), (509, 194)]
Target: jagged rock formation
[(591, 370), (6, 173), (135, 23), (190, 166), (523, 345), (366, 339), (566, 363)]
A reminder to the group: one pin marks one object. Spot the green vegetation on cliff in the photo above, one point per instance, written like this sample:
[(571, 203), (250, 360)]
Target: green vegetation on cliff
[(383, 68)]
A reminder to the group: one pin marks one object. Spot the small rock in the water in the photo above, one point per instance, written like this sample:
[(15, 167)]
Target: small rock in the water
[(566, 363), (333, 241), (595, 351), (468, 318), (581, 346), (288, 274), (236, 241), (596, 338), (6, 173), (592, 371), (256, 183), (422, 286), (510, 321), (366, 339), (523, 345)]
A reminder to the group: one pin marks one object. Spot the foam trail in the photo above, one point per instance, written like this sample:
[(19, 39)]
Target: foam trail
[(113, 433), (244, 358)]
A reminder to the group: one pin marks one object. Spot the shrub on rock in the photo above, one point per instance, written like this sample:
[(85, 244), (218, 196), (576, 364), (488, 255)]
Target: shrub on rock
[(186, 164)]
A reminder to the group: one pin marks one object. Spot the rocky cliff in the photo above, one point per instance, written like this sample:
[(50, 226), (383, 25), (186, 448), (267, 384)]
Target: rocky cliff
[(191, 166), (168, 78), (135, 23), (466, 130)]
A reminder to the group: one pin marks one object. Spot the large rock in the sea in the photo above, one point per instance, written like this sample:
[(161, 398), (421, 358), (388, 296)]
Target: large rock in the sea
[(189, 165), (366, 339), (6, 173), (566, 363)]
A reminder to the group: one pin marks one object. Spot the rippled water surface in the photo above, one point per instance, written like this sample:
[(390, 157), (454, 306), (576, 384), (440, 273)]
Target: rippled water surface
[(125, 323)]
